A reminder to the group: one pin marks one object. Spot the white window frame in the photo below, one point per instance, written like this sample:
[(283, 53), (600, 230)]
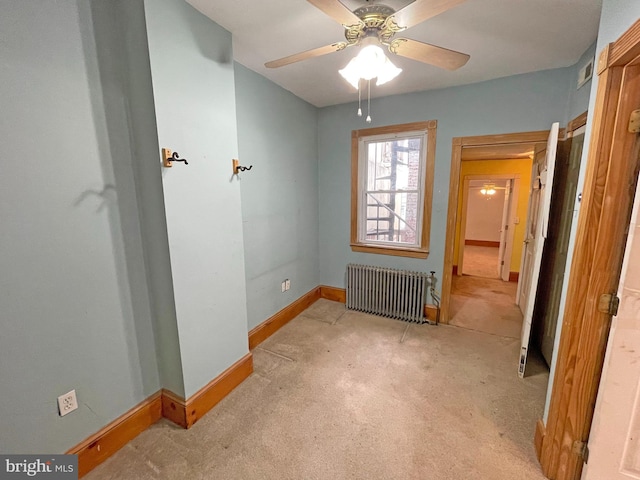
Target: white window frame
[(360, 141)]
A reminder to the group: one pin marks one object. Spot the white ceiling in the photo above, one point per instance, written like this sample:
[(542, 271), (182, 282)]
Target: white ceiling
[(503, 37)]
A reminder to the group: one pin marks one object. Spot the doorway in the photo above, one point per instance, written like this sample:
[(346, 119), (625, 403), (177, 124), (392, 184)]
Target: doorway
[(483, 294), (554, 257), (487, 222), (489, 233)]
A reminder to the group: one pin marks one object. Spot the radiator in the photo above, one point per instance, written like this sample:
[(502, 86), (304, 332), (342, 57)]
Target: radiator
[(387, 292)]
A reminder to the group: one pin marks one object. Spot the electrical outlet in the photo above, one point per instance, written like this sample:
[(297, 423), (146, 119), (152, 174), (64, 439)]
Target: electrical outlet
[(284, 287), (287, 284), (67, 403)]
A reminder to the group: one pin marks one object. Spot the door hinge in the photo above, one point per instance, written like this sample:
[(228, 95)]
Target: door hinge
[(634, 122), (608, 303), (582, 450), (502, 262)]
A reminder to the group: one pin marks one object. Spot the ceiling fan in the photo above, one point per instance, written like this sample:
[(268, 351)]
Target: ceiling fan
[(488, 188), (378, 24)]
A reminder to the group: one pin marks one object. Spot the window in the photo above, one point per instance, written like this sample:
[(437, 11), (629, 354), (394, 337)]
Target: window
[(391, 188)]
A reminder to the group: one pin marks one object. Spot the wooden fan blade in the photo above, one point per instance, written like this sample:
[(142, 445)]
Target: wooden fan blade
[(421, 10), (316, 52), (337, 11), (423, 52)]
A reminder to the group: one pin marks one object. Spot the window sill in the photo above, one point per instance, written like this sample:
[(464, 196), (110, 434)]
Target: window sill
[(412, 252)]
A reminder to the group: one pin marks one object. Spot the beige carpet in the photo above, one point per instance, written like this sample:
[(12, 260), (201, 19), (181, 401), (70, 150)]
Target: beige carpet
[(480, 261), (485, 304), (343, 395)]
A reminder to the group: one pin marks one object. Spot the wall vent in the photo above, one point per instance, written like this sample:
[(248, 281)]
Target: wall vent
[(585, 73)]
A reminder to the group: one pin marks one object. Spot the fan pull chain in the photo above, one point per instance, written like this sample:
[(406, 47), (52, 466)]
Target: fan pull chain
[(359, 98), (369, 104)]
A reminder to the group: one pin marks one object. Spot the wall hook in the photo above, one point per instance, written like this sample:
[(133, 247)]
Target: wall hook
[(237, 168), (168, 157)]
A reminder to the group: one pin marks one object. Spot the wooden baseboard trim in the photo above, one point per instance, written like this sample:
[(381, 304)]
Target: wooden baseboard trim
[(513, 276), (333, 293), (111, 438), (541, 431), (187, 413), (482, 243), (210, 395), (274, 323), (174, 408)]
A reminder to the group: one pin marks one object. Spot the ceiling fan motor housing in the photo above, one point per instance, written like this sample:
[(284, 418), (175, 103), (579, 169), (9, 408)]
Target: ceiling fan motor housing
[(374, 24)]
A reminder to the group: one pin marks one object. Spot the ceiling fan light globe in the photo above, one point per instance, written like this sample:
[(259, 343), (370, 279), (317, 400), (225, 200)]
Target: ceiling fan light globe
[(370, 63), (387, 72), (351, 74)]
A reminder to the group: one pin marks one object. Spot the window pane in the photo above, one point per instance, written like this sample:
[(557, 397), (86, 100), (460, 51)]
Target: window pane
[(393, 217), (393, 170), (394, 164)]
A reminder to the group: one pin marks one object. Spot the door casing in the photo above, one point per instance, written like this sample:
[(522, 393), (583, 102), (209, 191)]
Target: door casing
[(498, 143)]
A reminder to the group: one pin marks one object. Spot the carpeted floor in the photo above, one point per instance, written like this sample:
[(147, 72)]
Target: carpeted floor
[(480, 261), (485, 304), (344, 395)]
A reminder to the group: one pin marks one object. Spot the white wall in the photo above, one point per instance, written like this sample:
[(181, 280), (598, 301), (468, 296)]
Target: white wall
[(484, 216)]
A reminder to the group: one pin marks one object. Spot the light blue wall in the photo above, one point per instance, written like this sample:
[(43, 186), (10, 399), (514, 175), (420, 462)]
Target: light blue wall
[(73, 294), (579, 97), (277, 134), (193, 87), (616, 17), (148, 180), (513, 104)]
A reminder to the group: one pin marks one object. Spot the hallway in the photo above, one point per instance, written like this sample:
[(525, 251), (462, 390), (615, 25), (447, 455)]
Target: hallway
[(480, 300), (486, 305), (480, 261)]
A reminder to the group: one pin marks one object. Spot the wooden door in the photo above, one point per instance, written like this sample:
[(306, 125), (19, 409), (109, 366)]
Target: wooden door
[(540, 219), (615, 437)]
